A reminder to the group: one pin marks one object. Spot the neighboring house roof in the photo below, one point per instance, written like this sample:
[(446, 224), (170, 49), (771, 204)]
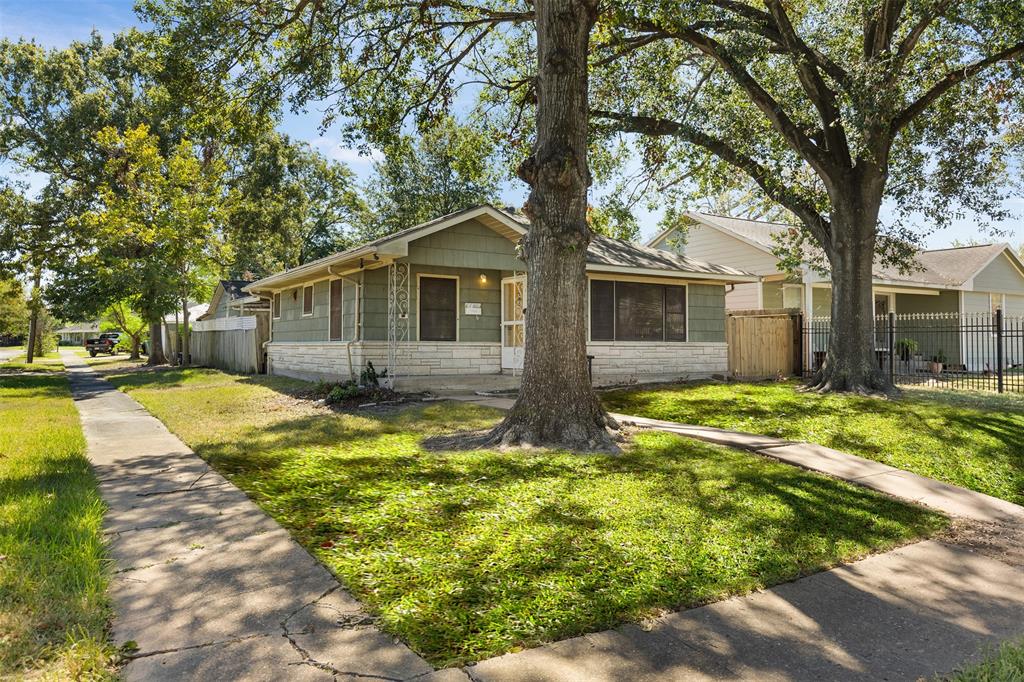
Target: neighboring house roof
[(194, 313), (952, 267), (80, 328), (618, 253), (233, 288), (604, 253)]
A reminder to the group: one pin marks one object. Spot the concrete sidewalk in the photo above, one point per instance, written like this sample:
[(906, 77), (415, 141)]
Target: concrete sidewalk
[(904, 615), (207, 585), (950, 499)]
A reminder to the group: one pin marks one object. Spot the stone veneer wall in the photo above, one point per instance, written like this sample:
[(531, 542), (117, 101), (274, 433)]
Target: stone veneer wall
[(329, 361), (626, 362), (619, 362)]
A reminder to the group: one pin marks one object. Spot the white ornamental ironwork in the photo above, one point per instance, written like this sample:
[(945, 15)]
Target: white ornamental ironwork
[(398, 317)]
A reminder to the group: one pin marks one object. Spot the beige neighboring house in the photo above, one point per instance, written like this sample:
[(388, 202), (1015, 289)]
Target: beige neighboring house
[(969, 279), (950, 287), (78, 332)]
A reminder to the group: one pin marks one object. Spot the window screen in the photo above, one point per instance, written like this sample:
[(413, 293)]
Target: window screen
[(639, 312), (438, 313), (633, 311), (277, 305), (602, 310), (336, 329), (307, 300), (675, 313)]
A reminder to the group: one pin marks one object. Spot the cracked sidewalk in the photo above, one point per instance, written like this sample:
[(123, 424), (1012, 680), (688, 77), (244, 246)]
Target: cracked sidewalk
[(206, 584)]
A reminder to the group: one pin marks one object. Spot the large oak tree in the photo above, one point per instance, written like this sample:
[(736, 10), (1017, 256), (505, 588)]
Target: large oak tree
[(832, 109), (388, 64)]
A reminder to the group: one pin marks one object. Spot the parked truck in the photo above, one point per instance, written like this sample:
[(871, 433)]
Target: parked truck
[(104, 343)]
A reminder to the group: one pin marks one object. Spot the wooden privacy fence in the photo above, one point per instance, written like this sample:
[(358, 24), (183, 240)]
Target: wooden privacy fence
[(234, 344), (763, 343)]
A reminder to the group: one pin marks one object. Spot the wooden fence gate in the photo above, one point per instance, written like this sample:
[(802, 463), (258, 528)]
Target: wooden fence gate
[(763, 343)]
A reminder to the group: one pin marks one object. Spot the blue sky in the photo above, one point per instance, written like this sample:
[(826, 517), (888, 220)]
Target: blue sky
[(55, 23)]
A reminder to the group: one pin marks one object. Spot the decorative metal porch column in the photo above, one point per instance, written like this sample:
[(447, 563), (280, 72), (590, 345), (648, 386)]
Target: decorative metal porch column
[(398, 318)]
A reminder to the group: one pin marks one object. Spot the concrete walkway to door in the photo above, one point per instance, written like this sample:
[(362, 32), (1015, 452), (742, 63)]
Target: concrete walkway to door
[(207, 585)]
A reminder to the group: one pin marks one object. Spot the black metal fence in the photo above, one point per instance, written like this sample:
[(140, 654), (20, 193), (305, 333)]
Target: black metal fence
[(974, 351)]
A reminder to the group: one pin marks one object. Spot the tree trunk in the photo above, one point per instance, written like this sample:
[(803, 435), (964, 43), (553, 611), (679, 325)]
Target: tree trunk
[(186, 356), (33, 321), (156, 344), (135, 348), (851, 362), (557, 405)]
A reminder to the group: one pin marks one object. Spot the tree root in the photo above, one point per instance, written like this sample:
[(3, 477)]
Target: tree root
[(596, 434)]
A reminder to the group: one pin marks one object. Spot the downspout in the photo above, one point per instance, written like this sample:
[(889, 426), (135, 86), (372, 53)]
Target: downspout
[(355, 321)]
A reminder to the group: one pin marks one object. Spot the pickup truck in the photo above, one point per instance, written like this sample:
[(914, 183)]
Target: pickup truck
[(106, 343)]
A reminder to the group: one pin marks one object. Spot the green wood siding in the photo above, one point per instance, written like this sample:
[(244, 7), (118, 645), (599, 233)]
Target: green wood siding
[(292, 326), (467, 245), (706, 308), (932, 336), (483, 328)]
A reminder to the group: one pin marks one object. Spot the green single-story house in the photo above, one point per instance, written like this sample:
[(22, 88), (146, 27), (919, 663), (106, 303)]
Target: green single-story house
[(446, 301)]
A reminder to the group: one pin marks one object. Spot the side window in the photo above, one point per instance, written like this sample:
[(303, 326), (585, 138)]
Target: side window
[(277, 306), (307, 300)]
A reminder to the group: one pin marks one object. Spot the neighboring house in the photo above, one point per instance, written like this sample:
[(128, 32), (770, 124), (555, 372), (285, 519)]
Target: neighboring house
[(447, 300), (229, 300), (78, 332), (963, 281)]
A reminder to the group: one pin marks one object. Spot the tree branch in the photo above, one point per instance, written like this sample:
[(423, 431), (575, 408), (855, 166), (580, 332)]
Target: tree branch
[(763, 100), (765, 179), (948, 82)]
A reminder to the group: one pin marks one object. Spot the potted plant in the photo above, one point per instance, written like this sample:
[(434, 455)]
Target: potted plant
[(905, 349), (938, 362)]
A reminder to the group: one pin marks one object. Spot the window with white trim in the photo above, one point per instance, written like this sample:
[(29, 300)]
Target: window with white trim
[(637, 311), (307, 300), (277, 306)]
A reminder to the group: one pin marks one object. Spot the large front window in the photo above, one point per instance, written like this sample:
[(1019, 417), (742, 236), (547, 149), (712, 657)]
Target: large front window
[(635, 311)]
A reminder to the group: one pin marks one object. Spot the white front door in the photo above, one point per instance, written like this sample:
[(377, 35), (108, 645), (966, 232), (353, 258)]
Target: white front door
[(513, 315)]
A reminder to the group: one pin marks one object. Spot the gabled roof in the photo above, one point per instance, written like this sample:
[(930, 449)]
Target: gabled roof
[(80, 328), (230, 287), (603, 254), (759, 233), (951, 267)]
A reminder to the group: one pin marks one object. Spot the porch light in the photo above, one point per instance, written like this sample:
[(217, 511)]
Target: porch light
[(483, 278)]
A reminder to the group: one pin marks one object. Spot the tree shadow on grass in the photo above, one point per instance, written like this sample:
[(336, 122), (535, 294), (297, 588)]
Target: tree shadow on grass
[(466, 554)]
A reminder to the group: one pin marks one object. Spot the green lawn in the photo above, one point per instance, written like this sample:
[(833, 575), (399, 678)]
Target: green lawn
[(53, 605), (50, 362), (971, 440), (469, 554), (1006, 664)]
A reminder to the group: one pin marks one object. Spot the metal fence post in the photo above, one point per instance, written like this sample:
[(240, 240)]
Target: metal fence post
[(892, 347), (999, 349), (798, 363)]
